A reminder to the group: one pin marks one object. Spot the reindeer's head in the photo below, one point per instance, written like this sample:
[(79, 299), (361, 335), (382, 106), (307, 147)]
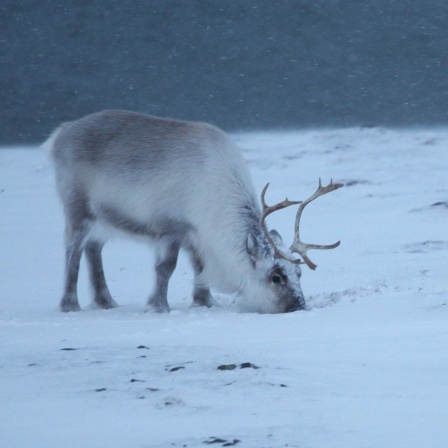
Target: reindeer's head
[(278, 272)]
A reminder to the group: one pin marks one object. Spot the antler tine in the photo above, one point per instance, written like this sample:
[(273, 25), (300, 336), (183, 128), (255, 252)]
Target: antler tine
[(267, 210), (300, 247)]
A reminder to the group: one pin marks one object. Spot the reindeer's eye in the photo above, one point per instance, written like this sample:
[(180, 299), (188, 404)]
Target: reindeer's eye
[(276, 279)]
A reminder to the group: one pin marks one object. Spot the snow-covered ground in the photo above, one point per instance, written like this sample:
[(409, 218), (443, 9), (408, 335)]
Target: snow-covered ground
[(365, 366)]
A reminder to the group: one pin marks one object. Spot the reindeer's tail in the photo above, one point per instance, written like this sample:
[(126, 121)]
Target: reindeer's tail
[(48, 145)]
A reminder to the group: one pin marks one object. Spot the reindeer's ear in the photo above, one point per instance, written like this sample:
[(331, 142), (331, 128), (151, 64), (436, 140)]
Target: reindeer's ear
[(253, 247), (276, 238)]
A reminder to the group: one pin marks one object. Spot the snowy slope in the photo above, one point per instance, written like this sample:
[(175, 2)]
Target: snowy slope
[(365, 366)]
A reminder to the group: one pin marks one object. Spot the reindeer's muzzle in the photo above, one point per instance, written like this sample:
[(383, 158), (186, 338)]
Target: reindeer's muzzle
[(297, 305)]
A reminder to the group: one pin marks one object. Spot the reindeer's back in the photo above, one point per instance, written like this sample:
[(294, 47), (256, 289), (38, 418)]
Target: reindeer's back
[(150, 166)]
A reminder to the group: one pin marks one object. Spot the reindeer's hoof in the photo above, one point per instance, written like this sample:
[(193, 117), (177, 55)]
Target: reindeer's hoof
[(69, 304), (105, 303), (158, 306), (151, 308), (203, 297)]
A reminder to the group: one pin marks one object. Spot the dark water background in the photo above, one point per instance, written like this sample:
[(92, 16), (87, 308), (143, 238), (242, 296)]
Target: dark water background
[(239, 64)]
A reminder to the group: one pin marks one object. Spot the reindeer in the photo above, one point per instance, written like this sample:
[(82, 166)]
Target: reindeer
[(181, 185)]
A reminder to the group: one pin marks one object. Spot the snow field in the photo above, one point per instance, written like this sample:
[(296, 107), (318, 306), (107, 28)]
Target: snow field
[(365, 366)]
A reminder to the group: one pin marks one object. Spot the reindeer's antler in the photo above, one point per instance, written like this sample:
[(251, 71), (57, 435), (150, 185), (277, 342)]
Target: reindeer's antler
[(267, 210), (297, 246)]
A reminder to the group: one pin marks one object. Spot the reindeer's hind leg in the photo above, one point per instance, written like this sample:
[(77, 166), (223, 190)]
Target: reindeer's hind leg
[(77, 228), (73, 252), (166, 261), (102, 297)]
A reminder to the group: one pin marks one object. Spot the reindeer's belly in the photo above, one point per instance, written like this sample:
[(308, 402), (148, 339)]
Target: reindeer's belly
[(156, 228)]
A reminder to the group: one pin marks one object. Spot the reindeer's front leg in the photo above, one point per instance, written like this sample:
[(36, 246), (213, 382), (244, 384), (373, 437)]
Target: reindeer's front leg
[(165, 264), (201, 294)]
